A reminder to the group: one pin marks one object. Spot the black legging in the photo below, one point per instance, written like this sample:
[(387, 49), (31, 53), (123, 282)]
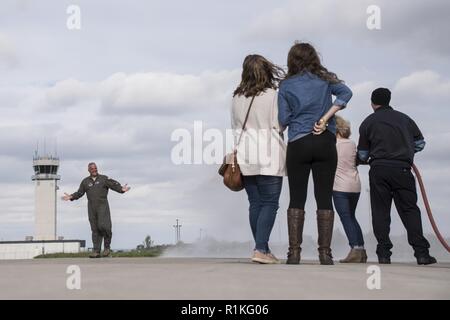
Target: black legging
[(316, 153)]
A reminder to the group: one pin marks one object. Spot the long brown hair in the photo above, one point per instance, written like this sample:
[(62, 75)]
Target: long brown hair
[(304, 58), (258, 74)]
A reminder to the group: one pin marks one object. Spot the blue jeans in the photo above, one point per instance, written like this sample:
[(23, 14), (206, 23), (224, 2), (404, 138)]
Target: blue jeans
[(345, 204), (263, 195)]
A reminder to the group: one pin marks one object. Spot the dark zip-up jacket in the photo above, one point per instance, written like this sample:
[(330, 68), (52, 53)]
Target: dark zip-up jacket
[(389, 137)]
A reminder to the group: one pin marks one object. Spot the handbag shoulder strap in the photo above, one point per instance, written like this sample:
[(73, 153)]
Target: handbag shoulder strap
[(245, 121)]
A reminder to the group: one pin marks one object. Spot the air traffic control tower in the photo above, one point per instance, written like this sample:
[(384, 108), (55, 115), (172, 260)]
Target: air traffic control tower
[(45, 240), (46, 184)]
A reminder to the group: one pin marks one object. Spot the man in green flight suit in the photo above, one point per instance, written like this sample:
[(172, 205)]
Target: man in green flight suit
[(96, 187)]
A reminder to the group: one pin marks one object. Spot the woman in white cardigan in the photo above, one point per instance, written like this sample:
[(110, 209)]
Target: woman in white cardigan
[(261, 153)]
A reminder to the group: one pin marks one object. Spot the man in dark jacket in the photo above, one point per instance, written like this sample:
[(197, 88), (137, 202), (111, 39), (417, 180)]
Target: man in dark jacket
[(388, 140), (96, 187)]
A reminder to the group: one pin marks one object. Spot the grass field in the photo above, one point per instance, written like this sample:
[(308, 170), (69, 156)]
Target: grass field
[(151, 252)]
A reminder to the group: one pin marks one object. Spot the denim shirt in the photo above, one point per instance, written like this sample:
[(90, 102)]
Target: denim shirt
[(303, 99)]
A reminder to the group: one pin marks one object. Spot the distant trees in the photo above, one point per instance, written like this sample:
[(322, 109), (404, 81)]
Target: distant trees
[(147, 244)]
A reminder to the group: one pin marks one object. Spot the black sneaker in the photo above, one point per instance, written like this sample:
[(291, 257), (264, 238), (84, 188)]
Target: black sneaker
[(383, 260), (426, 260)]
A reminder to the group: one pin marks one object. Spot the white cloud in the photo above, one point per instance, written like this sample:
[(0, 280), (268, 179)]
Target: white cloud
[(16, 201), (359, 106), (426, 84), (414, 26), (165, 93), (422, 95), (301, 19), (147, 93), (8, 53), (69, 92), (88, 117)]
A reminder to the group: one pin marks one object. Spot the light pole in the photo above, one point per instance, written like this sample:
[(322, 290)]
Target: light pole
[(177, 232)]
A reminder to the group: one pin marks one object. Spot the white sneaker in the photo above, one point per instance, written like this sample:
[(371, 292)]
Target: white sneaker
[(263, 258), (270, 254)]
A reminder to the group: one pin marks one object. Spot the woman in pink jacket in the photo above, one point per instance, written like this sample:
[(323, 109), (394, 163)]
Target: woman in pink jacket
[(346, 191)]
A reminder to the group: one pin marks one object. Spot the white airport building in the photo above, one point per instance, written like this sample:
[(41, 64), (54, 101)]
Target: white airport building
[(10, 250), (45, 239)]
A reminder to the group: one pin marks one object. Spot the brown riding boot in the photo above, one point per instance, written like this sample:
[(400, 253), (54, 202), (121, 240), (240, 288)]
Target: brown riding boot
[(296, 219), (355, 256), (325, 219)]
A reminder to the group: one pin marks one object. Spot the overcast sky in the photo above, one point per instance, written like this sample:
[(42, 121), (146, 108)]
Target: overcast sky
[(114, 91)]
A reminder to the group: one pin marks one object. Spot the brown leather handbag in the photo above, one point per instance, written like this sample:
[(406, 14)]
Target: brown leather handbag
[(232, 176)]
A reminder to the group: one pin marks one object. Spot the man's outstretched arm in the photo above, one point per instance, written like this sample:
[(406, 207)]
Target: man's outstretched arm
[(76, 195), (114, 185)]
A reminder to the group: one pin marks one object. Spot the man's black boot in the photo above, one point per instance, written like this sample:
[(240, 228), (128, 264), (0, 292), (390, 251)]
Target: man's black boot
[(426, 260), (384, 260)]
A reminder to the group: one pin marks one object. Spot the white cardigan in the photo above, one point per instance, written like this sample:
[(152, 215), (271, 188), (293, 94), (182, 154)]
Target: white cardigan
[(262, 150)]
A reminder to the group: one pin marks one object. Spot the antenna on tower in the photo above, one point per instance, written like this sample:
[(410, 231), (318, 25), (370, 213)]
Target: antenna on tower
[(37, 148)]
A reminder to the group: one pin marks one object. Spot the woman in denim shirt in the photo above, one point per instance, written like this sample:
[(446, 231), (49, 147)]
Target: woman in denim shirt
[(306, 108)]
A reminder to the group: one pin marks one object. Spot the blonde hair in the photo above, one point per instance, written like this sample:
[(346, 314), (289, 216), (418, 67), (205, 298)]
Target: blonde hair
[(343, 127)]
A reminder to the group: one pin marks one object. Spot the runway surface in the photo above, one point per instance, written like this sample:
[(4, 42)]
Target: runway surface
[(224, 279)]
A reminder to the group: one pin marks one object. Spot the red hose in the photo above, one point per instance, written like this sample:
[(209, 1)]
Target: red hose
[(427, 206)]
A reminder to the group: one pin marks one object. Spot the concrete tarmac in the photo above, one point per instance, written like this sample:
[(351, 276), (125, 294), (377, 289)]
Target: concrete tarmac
[(224, 279)]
